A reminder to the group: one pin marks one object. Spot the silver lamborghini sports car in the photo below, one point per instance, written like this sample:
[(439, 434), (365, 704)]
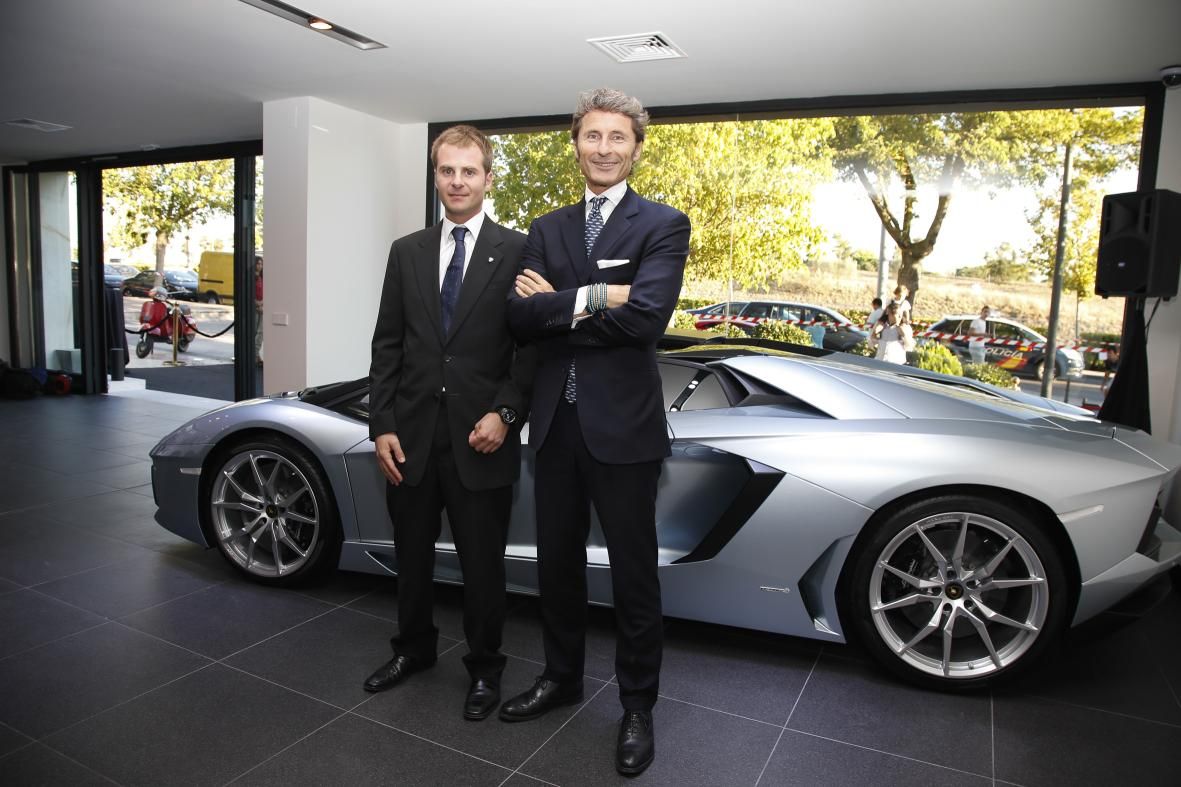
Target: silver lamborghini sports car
[(953, 528)]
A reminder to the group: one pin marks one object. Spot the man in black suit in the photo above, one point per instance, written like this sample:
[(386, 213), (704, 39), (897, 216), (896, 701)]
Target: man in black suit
[(599, 284), (449, 391)]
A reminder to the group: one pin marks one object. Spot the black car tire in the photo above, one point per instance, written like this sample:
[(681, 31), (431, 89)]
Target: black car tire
[(127, 291), (268, 507), (211, 297), (957, 623), (143, 348)]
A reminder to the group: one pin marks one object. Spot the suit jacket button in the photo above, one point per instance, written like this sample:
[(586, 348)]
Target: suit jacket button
[(446, 359)]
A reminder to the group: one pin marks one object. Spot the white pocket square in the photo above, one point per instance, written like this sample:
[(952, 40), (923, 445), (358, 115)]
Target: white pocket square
[(611, 263)]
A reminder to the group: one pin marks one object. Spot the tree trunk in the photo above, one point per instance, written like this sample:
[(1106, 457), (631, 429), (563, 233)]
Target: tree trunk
[(161, 247)]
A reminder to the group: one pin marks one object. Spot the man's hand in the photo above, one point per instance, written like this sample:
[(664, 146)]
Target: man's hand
[(530, 282), (389, 456), (489, 433), (617, 294)]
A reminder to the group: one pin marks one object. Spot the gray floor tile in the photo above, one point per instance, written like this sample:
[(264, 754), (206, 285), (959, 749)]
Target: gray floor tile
[(694, 746), (51, 687), (327, 658), (360, 752), (11, 740), (225, 618), (123, 588), (8, 587), (120, 477), (729, 670), (40, 766), (29, 619), (855, 703), (70, 458), (34, 554), (1041, 742), (342, 587), (204, 729), (523, 638), (32, 486), (808, 761), (430, 704)]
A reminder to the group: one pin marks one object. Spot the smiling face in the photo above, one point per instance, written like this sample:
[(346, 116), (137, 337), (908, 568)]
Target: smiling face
[(461, 180), (606, 149)]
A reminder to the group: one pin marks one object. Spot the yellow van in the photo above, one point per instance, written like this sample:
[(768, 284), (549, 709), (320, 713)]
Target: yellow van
[(215, 273)]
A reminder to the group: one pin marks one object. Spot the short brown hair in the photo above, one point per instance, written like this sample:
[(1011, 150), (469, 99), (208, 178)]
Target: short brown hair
[(460, 137), (604, 99)]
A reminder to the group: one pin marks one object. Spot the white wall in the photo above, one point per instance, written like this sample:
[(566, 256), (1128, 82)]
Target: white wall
[(340, 187), (57, 293), (1164, 335)]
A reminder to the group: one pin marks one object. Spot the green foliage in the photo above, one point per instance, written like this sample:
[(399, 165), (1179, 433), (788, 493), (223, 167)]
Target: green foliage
[(988, 373), (683, 319), (783, 332), (746, 187), (936, 357), (166, 199), (1000, 265), (694, 303), (862, 348), (728, 329), (896, 156)]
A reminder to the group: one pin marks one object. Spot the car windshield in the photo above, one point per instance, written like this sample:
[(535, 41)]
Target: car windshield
[(185, 276)]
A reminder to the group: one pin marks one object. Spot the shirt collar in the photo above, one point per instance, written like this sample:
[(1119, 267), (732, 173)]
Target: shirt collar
[(613, 194), (473, 225)]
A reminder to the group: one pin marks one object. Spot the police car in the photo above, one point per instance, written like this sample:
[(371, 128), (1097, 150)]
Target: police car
[(1009, 344)]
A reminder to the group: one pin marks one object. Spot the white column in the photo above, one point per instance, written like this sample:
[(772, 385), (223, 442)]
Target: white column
[(340, 186), (1164, 335)]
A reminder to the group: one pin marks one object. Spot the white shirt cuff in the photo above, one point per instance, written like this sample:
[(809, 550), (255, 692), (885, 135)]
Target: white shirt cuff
[(580, 305)]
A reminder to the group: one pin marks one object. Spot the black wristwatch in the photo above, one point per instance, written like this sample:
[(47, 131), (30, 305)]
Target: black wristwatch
[(507, 414)]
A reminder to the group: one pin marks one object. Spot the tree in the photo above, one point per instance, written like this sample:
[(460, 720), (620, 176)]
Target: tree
[(746, 187), (167, 199), (1104, 142), (948, 150), (1002, 264)]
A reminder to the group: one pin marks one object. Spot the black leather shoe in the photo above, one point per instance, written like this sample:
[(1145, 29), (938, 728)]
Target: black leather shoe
[(391, 673), (482, 699), (544, 696), (636, 747)]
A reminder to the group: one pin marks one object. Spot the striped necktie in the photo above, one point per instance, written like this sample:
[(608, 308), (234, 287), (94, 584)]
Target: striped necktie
[(594, 225)]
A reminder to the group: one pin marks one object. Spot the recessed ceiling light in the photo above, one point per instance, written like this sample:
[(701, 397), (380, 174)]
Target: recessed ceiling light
[(314, 22), (636, 47), (36, 125)]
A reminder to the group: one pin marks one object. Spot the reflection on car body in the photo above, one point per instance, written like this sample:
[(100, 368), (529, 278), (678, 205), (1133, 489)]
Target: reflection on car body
[(829, 328)]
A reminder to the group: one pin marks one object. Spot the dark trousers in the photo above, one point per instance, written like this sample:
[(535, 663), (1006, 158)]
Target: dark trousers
[(568, 479), (479, 523)]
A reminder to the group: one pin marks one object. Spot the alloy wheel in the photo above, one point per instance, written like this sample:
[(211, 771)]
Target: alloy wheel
[(958, 595), (265, 513)]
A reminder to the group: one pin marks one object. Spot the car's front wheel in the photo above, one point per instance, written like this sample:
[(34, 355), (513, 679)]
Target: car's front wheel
[(958, 592), (271, 511)]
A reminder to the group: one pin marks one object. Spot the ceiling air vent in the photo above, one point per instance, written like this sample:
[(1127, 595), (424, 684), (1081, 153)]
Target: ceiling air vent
[(36, 125), (642, 46)]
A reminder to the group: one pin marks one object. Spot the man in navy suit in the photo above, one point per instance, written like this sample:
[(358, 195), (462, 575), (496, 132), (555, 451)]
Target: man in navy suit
[(599, 283), (449, 390)]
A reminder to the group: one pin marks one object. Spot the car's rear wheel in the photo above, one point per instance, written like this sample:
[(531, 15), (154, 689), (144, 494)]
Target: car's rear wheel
[(211, 297), (271, 511), (958, 592)]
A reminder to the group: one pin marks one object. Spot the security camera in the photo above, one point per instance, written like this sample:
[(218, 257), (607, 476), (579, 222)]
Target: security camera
[(1171, 76)]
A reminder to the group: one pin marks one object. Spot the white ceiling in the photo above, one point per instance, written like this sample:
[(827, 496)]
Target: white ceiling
[(129, 73)]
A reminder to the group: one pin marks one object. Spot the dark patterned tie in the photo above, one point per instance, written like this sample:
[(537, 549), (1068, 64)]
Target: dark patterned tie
[(452, 279), (594, 225)]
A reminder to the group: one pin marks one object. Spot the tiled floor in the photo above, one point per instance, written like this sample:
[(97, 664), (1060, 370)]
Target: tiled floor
[(129, 656)]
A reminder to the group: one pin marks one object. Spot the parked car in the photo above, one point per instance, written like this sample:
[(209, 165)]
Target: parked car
[(837, 331), (1012, 346), (181, 284), (1009, 519), (112, 277)]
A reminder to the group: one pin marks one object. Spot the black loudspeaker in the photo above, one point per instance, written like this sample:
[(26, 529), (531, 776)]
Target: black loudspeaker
[(1139, 245)]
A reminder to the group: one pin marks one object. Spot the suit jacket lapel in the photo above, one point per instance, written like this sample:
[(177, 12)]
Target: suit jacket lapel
[(426, 270), (575, 236), (486, 258), (615, 228)]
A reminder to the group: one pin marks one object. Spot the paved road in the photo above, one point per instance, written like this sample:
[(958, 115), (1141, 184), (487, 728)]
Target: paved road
[(210, 318)]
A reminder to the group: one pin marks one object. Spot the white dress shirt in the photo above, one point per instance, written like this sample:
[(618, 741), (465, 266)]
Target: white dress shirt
[(614, 194), (447, 243)]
